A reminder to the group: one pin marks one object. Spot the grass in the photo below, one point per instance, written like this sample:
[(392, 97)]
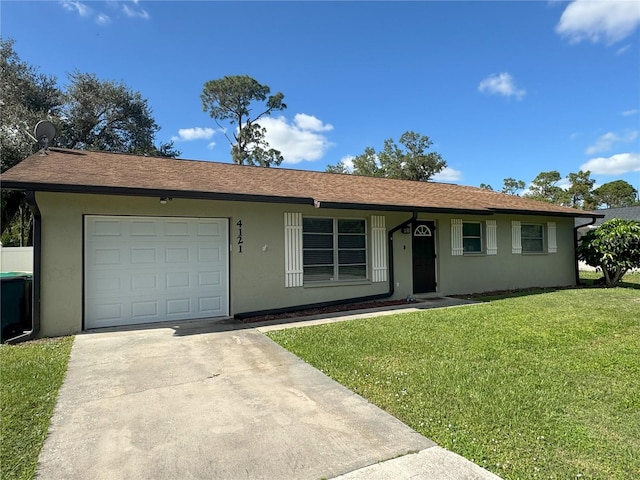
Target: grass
[(31, 375), (534, 386), (630, 280)]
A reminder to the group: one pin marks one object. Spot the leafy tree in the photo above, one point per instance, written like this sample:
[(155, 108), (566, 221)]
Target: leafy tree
[(512, 186), (165, 149), (544, 188), (367, 164), (615, 194), (412, 162), (614, 247), (580, 188), (486, 186), (91, 114), (231, 99), (26, 96), (105, 115), (339, 167)]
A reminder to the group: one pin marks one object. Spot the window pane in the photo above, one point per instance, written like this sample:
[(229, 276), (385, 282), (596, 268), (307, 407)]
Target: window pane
[(470, 229), (472, 244), (317, 257), (350, 226), (317, 240), (351, 241), (323, 247), (532, 245), (351, 256), (353, 272), (318, 274), (532, 238), (531, 231), (317, 225)]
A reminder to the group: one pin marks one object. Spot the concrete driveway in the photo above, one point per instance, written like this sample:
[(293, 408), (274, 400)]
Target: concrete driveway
[(209, 401)]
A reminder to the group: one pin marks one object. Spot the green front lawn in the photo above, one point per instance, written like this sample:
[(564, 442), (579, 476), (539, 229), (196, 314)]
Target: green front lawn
[(630, 280), (31, 374), (535, 386)]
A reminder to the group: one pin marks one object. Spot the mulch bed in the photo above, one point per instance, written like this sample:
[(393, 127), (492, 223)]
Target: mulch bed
[(332, 309)]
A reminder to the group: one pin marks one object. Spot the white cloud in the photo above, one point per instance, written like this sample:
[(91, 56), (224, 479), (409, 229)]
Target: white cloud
[(628, 113), (135, 13), (501, 84), (606, 142), (210, 145), (300, 140), (621, 50), (348, 162), (447, 175), (614, 165), (75, 6), (102, 19), (599, 21), (132, 10), (309, 122), (190, 134), (563, 183)]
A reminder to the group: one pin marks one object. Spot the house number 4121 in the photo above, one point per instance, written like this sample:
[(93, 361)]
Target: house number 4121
[(239, 237)]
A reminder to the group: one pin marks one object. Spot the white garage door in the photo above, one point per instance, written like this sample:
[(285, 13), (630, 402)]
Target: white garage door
[(150, 269)]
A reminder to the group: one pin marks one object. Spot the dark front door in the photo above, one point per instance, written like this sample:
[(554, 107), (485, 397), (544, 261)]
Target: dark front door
[(424, 257)]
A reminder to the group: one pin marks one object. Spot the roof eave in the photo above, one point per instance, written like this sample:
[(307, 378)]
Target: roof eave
[(200, 195), (152, 192), (399, 208), (546, 213)]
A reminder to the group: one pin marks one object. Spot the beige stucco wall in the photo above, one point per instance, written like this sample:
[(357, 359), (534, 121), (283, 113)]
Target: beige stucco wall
[(473, 273), (257, 274)]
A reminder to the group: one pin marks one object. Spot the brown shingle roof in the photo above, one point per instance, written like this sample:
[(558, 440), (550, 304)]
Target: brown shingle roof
[(102, 172)]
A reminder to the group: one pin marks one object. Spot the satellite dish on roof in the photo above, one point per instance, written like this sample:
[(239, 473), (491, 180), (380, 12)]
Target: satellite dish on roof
[(44, 132)]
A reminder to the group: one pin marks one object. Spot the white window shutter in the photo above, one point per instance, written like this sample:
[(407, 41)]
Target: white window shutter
[(457, 247), (516, 237), (378, 249), (492, 237), (552, 244), (293, 268)]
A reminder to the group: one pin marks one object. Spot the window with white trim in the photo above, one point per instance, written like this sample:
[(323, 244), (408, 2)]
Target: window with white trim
[(334, 249), (532, 238), (472, 237)]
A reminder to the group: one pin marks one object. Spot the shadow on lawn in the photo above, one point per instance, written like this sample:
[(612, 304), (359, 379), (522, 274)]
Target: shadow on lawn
[(593, 281)]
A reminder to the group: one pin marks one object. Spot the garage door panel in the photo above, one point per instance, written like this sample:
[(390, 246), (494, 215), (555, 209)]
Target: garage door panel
[(210, 304), (143, 255), (143, 269), (106, 256), (106, 228), (179, 306), (107, 312), (209, 229), (111, 285), (145, 310), (178, 280), (178, 255), (143, 228), (206, 254), (209, 279), (143, 282), (177, 229)]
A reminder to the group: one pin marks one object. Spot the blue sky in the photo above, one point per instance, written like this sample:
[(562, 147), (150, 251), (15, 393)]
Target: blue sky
[(503, 89)]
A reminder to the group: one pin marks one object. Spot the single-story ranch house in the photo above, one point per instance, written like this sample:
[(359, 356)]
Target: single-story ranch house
[(124, 239)]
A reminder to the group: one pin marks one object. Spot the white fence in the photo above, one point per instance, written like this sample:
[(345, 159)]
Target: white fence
[(16, 259)]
